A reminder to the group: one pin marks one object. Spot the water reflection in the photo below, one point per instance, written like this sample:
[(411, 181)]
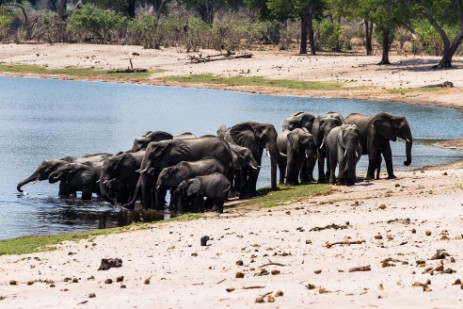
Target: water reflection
[(46, 119)]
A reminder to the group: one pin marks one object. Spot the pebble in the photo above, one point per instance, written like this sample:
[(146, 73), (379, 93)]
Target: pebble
[(13, 282), (239, 275), (147, 281), (260, 300), (275, 272), (108, 281), (91, 295), (279, 293), (428, 233), (318, 271), (239, 263)]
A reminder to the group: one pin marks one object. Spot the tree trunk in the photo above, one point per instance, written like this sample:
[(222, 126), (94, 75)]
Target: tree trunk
[(62, 8), (385, 59), (303, 44), (206, 11), (368, 36), (311, 33), (159, 9), (130, 8)]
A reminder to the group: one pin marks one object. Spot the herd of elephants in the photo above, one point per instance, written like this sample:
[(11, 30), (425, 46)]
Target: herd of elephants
[(202, 172)]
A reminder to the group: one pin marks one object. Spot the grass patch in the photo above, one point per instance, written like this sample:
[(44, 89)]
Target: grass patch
[(41, 70), (287, 195), (411, 90), (259, 81)]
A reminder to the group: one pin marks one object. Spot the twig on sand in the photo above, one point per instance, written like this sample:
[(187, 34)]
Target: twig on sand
[(346, 242), (270, 263), (360, 268), (253, 287)]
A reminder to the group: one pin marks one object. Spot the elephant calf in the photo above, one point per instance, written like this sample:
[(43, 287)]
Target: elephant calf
[(298, 153), (214, 187), (76, 177), (343, 147)]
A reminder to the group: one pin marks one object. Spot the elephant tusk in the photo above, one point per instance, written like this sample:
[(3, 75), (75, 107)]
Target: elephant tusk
[(321, 146), (306, 156), (98, 181), (268, 153), (357, 154), (141, 170), (408, 140), (254, 168), (282, 154)]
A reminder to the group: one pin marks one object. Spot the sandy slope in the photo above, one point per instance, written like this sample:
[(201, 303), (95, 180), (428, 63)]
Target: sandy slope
[(185, 275), (182, 274)]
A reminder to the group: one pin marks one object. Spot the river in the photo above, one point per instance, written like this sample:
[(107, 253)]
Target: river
[(47, 119)]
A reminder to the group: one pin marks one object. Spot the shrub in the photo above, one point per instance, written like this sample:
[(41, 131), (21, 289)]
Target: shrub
[(146, 30), (101, 25), (330, 36), (5, 22)]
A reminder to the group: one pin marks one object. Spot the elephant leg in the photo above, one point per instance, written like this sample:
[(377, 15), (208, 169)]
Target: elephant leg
[(387, 154), (297, 170), (341, 173), (252, 184), (282, 167), (373, 160), (332, 167), (87, 193), (321, 168), (198, 204), (64, 189), (304, 170), (219, 205)]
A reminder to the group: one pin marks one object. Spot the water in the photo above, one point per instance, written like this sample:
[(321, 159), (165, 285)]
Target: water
[(46, 119)]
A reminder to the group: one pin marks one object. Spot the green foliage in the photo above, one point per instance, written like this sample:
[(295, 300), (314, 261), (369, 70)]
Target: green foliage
[(146, 30), (54, 28), (330, 36), (92, 21), (5, 22), (197, 34)]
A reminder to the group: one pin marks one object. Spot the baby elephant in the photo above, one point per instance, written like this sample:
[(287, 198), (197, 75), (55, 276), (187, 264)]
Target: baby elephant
[(343, 147), (215, 187), (76, 177)]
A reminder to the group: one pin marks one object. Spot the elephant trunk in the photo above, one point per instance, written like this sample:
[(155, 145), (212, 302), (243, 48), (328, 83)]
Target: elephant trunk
[(274, 154), (103, 190), (29, 179), (408, 151), (131, 204)]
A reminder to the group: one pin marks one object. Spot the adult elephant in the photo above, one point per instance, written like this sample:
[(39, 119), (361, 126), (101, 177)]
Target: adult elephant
[(257, 136), (298, 153), (167, 153), (298, 120), (376, 132), (76, 177), (322, 125), (343, 147), (119, 176), (47, 167), (140, 143)]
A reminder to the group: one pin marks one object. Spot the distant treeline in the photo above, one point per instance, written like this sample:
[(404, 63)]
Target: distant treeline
[(409, 26)]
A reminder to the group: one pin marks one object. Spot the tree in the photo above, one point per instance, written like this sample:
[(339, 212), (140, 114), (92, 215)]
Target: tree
[(207, 8), (307, 11), (442, 13), (355, 9)]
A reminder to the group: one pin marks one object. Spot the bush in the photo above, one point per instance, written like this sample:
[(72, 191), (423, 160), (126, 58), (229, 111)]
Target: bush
[(197, 34), (5, 22), (54, 29), (100, 25), (330, 36), (146, 30)]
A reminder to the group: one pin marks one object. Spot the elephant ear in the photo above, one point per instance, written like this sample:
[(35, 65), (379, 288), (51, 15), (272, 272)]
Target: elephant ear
[(293, 138), (193, 187), (181, 174), (181, 147), (222, 131), (384, 127), (243, 135), (157, 136), (307, 121)]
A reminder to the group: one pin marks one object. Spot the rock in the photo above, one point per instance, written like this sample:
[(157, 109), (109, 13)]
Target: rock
[(239, 263), (413, 231), (147, 281), (270, 299), (382, 207), (378, 236), (91, 295), (194, 254), (440, 255), (260, 300), (275, 272), (120, 279), (204, 240), (310, 286), (229, 290), (108, 281), (239, 275), (428, 233), (308, 242), (318, 271), (13, 282), (279, 293), (109, 263)]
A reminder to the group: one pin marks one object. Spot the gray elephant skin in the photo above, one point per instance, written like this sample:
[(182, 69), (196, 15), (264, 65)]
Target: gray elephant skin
[(47, 167), (140, 143), (215, 187), (376, 132), (322, 125), (244, 169), (256, 137), (119, 176), (343, 147), (76, 177), (298, 120), (298, 153), (160, 155), (170, 177)]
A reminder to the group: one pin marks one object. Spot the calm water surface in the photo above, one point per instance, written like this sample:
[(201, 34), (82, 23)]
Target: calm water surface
[(47, 119)]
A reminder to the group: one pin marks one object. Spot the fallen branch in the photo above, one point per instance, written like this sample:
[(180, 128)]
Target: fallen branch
[(330, 226), (346, 242), (253, 287), (270, 263), (201, 59), (360, 268)]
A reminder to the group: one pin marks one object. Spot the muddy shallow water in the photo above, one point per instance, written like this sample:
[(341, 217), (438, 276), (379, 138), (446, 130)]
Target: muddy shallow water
[(46, 119)]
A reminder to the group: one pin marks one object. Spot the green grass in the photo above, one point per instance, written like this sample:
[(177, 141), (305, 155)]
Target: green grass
[(286, 195), (411, 90), (31, 244), (259, 81), (41, 70)]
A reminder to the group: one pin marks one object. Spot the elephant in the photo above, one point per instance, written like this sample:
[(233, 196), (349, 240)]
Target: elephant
[(160, 155), (298, 153), (214, 187), (256, 136), (140, 143), (76, 177), (298, 120), (185, 135), (376, 132), (170, 177), (119, 176), (322, 125), (47, 167), (245, 167), (343, 147)]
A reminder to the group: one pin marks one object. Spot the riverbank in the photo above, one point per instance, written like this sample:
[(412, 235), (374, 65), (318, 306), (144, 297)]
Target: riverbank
[(368, 245), (407, 80)]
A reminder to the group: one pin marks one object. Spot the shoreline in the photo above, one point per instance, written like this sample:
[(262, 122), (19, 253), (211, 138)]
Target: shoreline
[(374, 244)]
